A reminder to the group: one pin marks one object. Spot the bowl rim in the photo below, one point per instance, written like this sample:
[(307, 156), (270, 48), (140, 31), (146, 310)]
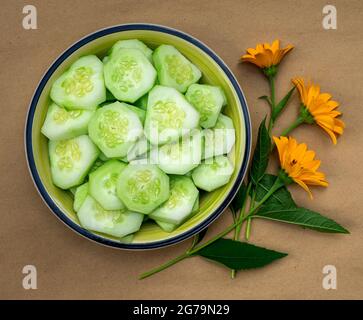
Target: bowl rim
[(29, 148)]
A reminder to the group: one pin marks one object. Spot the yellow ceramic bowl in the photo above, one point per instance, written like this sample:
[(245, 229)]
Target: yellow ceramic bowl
[(214, 71)]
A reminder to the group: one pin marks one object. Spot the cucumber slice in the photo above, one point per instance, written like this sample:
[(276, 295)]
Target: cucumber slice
[(133, 44), (80, 195), (180, 157), (129, 74), (168, 116), (196, 206), (114, 129), (167, 227), (117, 223), (179, 206), (220, 139), (213, 173), (102, 185), (142, 102), (142, 188), (61, 124), (102, 157), (127, 239), (208, 100), (141, 147), (70, 160), (81, 86), (174, 70), (140, 112), (73, 190), (170, 227)]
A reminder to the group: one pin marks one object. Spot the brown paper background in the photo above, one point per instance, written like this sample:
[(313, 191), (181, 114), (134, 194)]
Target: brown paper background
[(72, 267)]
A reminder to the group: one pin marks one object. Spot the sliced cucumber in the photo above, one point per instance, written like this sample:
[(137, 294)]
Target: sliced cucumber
[(114, 129), (174, 70), (117, 223), (196, 206), (220, 139), (102, 185), (127, 239), (168, 116), (142, 102), (103, 157), (73, 190), (140, 112), (179, 157), (179, 206), (208, 100), (141, 147), (82, 86), (129, 74), (213, 173), (170, 227), (133, 44), (80, 195), (167, 227), (61, 124), (142, 188), (70, 160)]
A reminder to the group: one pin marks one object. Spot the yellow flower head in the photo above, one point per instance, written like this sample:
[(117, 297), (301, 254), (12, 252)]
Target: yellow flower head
[(320, 107), (266, 55), (298, 163)]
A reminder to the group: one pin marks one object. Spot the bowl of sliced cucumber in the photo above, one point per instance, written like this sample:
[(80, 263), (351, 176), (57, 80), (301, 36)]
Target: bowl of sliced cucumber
[(138, 136)]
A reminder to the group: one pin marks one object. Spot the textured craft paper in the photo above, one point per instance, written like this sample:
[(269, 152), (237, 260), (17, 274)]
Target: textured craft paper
[(72, 267)]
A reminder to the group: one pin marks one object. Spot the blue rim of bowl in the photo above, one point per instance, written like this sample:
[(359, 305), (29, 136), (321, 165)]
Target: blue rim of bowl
[(30, 156)]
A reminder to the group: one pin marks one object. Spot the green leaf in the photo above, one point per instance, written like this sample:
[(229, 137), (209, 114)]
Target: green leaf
[(281, 105), (300, 216), (240, 198), (261, 154), (280, 197), (239, 255), (266, 98)]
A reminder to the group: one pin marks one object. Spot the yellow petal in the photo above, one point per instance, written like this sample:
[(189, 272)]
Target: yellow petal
[(304, 186), (330, 133)]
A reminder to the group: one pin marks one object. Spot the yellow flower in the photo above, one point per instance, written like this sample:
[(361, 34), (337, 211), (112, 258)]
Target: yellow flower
[(298, 164), (265, 55), (318, 107)]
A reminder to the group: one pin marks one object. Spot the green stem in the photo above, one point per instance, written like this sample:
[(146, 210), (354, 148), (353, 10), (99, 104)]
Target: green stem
[(190, 252), (248, 229), (242, 213), (164, 266), (237, 230), (248, 226), (272, 99), (278, 184), (195, 240), (294, 125), (272, 88)]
